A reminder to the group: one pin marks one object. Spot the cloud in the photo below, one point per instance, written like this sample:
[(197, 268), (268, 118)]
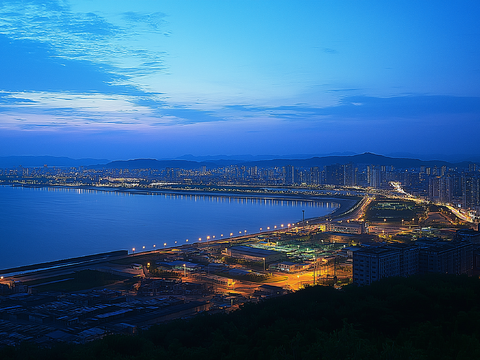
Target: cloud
[(58, 35), (377, 107), (33, 66), (330, 51), (154, 20)]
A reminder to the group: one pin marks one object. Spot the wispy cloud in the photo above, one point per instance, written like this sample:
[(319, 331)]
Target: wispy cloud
[(64, 35)]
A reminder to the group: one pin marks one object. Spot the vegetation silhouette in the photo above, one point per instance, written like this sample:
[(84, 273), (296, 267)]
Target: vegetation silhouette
[(432, 316)]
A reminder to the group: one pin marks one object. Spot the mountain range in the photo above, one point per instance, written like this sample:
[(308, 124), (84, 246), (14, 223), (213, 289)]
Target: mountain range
[(366, 159), (211, 162)]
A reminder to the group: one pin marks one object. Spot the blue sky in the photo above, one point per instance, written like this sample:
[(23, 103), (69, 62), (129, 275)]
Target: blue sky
[(159, 79)]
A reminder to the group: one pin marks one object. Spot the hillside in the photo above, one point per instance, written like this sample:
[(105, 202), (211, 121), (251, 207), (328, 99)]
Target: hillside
[(421, 317)]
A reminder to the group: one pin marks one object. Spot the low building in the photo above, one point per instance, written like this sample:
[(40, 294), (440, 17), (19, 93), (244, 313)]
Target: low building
[(270, 291), (253, 254), (289, 266), (468, 234), (372, 264), (346, 227)]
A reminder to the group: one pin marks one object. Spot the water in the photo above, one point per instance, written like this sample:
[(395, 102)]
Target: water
[(45, 224)]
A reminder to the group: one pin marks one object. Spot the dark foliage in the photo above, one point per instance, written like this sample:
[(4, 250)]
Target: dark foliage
[(421, 317)]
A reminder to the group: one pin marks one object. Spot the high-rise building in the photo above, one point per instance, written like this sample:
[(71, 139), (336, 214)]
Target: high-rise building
[(289, 175), (349, 175), (334, 174)]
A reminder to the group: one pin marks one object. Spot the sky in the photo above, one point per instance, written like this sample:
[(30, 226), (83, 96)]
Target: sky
[(122, 79)]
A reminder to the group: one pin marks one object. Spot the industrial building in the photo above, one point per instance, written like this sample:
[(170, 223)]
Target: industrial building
[(254, 254), (345, 227)]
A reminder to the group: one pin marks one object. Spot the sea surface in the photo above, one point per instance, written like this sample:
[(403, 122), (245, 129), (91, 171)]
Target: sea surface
[(52, 223)]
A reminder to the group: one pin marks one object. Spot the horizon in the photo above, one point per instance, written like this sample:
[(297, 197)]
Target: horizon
[(244, 158), (122, 80)]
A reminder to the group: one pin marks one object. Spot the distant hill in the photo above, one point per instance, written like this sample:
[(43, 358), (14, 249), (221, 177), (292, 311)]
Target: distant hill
[(152, 164), (213, 162), (366, 159), (38, 161), (247, 158)]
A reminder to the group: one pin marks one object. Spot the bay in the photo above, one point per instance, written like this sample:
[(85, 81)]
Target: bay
[(53, 223)]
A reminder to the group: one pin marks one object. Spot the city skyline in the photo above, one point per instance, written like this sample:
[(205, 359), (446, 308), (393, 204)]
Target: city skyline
[(162, 79)]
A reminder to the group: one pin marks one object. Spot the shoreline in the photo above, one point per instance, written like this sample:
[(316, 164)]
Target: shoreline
[(345, 206)]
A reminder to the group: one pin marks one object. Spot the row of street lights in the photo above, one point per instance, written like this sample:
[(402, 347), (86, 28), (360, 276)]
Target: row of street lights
[(282, 226)]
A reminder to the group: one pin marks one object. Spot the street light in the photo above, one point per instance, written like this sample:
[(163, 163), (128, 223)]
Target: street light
[(133, 250), (184, 270)]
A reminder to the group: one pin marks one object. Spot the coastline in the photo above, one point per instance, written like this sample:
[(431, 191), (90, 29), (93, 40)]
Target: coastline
[(345, 205)]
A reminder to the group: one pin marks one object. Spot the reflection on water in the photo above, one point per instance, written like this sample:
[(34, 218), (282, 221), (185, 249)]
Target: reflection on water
[(254, 199), (50, 223)]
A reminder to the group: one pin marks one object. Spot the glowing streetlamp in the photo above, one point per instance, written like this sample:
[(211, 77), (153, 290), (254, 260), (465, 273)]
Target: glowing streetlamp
[(133, 250)]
